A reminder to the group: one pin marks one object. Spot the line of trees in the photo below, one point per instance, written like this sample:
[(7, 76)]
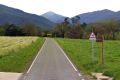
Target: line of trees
[(74, 29), (66, 29), (27, 29), (110, 29)]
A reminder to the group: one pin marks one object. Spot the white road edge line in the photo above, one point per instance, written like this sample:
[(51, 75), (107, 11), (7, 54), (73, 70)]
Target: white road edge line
[(68, 58), (79, 74), (36, 56)]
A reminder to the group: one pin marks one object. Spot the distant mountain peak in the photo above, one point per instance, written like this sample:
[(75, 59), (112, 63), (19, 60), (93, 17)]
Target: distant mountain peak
[(106, 10), (54, 17), (50, 12)]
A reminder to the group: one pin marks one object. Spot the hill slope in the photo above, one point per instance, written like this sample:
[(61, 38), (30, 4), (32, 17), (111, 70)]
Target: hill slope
[(18, 17), (101, 15), (90, 17)]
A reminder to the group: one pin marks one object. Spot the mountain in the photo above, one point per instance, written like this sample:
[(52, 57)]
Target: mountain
[(96, 16), (49, 19), (19, 17), (90, 17), (54, 17), (118, 15)]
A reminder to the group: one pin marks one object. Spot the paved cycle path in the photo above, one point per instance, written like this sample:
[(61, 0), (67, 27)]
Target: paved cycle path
[(51, 63)]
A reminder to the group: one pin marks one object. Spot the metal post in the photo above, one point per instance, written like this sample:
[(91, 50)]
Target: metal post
[(92, 38), (93, 51)]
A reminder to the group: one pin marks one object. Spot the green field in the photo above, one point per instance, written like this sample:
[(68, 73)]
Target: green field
[(79, 51), (17, 53)]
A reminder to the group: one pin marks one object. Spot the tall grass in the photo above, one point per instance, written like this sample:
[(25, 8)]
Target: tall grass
[(8, 44), (18, 61)]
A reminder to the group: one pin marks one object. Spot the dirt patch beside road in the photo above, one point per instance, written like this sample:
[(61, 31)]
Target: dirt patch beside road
[(9, 76)]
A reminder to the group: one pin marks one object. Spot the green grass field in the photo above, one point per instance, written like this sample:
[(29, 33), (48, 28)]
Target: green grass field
[(79, 51), (17, 53)]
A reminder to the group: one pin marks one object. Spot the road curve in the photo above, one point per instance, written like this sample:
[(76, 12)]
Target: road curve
[(51, 64)]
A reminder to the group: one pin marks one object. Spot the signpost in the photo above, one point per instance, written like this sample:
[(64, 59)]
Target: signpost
[(92, 38), (101, 39)]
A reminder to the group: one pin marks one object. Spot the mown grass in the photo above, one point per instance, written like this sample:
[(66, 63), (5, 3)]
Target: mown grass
[(79, 51), (18, 61)]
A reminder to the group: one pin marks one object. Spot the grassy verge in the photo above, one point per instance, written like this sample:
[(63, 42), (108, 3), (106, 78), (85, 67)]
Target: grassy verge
[(79, 52), (17, 61)]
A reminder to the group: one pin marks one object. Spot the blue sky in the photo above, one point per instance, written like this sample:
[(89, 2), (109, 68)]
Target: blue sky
[(64, 7)]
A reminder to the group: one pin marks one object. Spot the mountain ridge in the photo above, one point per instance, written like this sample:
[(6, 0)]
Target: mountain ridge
[(49, 19), (100, 15), (89, 17), (19, 17)]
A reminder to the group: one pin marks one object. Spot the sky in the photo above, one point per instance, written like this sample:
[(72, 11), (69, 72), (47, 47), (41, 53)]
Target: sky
[(67, 8)]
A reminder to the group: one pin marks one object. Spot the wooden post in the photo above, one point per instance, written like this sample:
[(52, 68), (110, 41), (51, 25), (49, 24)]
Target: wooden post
[(102, 49)]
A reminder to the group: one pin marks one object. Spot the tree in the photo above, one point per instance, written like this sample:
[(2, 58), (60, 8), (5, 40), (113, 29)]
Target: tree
[(111, 27), (75, 20), (12, 30), (62, 28), (30, 29), (2, 31), (84, 25), (75, 32), (106, 28)]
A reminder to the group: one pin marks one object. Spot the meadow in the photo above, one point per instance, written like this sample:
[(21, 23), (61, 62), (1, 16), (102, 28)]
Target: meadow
[(79, 51), (17, 53)]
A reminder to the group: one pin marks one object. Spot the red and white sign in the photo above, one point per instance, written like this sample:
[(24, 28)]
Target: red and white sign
[(92, 36)]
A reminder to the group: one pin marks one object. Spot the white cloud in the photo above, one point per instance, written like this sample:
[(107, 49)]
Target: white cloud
[(64, 7)]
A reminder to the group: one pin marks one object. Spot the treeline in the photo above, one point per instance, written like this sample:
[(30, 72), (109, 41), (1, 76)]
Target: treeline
[(110, 29), (27, 29)]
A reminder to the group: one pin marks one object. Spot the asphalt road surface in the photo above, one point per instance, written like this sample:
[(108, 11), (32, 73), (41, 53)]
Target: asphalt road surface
[(51, 63)]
